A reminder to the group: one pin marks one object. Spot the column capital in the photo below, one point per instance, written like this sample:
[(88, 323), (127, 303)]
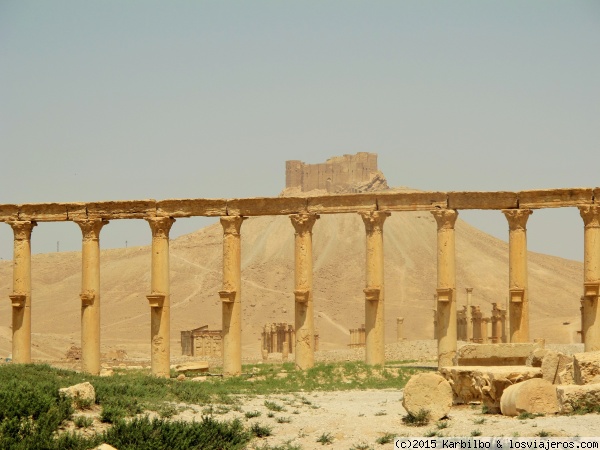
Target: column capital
[(590, 215), (517, 218), (469, 290), (445, 218), (374, 220), (232, 224), (22, 229), (303, 223), (160, 226), (90, 228)]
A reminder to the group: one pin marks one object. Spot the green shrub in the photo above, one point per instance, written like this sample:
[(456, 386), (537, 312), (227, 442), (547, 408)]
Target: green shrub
[(417, 420), (259, 430)]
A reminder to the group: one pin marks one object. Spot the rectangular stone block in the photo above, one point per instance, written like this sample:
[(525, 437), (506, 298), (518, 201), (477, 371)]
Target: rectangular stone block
[(128, 209), (411, 201), (9, 212), (495, 354), (555, 198), (207, 207), (577, 398), (43, 212), (343, 203), (597, 195), (76, 211), (482, 200), (266, 206)]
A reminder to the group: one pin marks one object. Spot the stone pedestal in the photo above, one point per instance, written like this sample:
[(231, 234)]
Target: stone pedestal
[(518, 287), (21, 296), (591, 278), (160, 297), (231, 295), (446, 286), (90, 294), (304, 308), (374, 291)]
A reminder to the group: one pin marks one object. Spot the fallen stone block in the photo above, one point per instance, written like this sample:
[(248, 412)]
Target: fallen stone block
[(198, 366), (535, 396), (586, 367), (552, 364), (82, 391), (485, 384), (536, 357), (495, 354), (578, 397), (429, 391), (567, 375)]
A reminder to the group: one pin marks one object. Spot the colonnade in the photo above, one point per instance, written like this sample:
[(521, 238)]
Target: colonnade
[(159, 297)]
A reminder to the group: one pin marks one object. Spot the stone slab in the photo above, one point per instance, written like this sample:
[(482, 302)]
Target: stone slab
[(198, 366), (555, 198), (266, 206), (571, 397), (192, 207), (411, 201), (43, 212), (128, 209), (553, 364), (9, 212), (482, 200), (495, 354), (342, 203), (586, 367), (485, 383)]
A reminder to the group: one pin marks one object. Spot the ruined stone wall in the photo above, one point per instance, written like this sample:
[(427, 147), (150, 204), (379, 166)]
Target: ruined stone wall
[(334, 174)]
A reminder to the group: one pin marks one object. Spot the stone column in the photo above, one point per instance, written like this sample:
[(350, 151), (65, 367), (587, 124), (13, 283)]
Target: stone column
[(399, 334), (304, 307), (374, 291), (21, 296), (581, 301), (468, 314), (476, 318), (518, 290), (160, 298), (446, 286), (485, 326), (591, 277), (90, 294), (231, 295)]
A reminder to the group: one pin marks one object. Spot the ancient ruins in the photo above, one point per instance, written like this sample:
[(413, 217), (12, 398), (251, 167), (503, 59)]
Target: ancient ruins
[(373, 207), (202, 342)]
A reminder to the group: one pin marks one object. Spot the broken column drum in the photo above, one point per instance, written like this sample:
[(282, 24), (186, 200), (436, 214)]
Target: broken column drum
[(374, 291), (21, 296), (591, 278), (518, 285), (231, 297), (160, 297), (90, 294), (303, 297), (446, 286)]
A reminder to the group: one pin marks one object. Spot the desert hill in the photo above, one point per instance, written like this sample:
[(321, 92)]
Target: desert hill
[(268, 283)]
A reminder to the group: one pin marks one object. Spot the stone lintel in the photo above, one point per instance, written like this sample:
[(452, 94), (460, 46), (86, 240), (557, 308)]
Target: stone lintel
[(87, 297), (516, 295), (156, 299), (482, 200), (189, 207), (596, 195), (227, 296), (555, 198), (128, 209), (76, 211), (18, 300), (372, 294), (9, 213), (301, 295), (411, 201), (342, 203), (43, 212), (266, 206), (445, 294), (591, 289)]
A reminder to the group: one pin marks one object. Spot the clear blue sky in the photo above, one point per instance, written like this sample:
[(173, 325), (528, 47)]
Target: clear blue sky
[(146, 99)]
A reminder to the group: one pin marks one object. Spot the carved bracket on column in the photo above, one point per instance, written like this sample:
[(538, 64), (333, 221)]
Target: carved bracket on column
[(87, 297), (591, 289), (227, 296), (444, 294), (18, 300), (156, 299), (516, 295), (372, 294), (301, 295)]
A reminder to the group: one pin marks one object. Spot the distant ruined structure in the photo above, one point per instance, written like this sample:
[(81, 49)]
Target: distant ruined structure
[(281, 338), (348, 173), (202, 342)]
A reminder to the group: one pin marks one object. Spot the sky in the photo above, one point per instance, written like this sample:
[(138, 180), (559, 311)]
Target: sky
[(113, 100)]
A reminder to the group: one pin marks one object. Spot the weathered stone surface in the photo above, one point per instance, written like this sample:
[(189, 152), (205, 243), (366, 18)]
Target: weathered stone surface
[(128, 209), (495, 354), (567, 375), (265, 206), (83, 391), (536, 357), (586, 367), (411, 201), (9, 212), (189, 207), (342, 203), (428, 391), (42, 212), (482, 200), (199, 366), (485, 383), (554, 198), (552, 364), (535, 396), (573, 397)]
